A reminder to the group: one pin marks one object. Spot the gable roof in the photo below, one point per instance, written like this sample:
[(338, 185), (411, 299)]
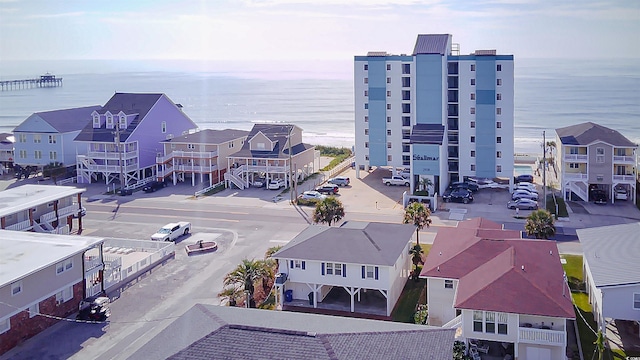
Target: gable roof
[(613, 260), (431, 44), (209, 136), (277, 133), (488, 261), (7, 139), (63, 121), (128, 103), (353, 243), (223, 332), (588, 132)]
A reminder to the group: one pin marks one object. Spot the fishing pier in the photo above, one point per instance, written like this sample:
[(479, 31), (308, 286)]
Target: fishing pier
[(44, 81)]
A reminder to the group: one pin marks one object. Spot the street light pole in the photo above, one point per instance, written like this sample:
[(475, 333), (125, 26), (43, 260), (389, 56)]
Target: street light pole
[(117, 133), (544, 167), (291, 180)]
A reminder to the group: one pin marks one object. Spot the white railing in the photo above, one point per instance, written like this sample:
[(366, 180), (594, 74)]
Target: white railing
[(112, 155), (624, 159), (207, 189), (575, 176), (235, 180), (187, 154), (575, 157), (21, 226), (140, 183), (70, 180), (625, 178), (196, 168), (63, 212), (238, 171), (540, 336), (454, 324), (111, 168), (341, 167), (582, 193), (92, 262)]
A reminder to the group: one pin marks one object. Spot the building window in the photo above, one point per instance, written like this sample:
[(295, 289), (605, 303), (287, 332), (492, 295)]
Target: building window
[(473, 139), (406, 69), (473, 82), (366, 80), (477, 320), (37, 154), (123, 122), (389, 158), (499, 168), (366, 119), (366, 157), (636, 301), (5, 325), (499, 154), (53, 155), (502, 319), (164, 127), (366, 106), (366, 66), (473, 153), (34, 310), (406, 121), (37, 139), (96, 121), (600, 155), (473, 96), (388, 119), (389, 132), (388, 93), (406, 134), (388, 106), (22, 138), (573, 166), (498, 111), (499, 67), (406, 148), (498, 96), (53, 139), (499, 124), (499, 140), (64, 295), (16, 288), (299, 264), (498, 81), (406, 95), (366, 131), (573, 150), (472, 124), (388, 145), (370, 272), (64, 266), (329, 270), (448, 284), (366, 93), (473, 67), (366, 144), (23, 154), (490, 322), (473, 167), (109, 121), (388, 80), (406, 108), (472, 110), (406, 81), (388, 67)]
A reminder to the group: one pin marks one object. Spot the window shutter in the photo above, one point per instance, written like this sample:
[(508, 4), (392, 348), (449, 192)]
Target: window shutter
[(322, 268), (363, 272), (291, 264), (344, 270), (376, 273), (304, 265)]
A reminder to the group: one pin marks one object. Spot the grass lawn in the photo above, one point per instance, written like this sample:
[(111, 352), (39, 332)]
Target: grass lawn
[(411, 294), (562, 206)]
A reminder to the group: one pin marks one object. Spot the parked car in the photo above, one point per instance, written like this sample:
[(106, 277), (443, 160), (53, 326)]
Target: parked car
[(599, 196), (621, 193), (329, 189), (276, 184), (395, 180), (525, 188), (526, 185), (259, 182), (339, 180), (82, 211), (524, 178), (459, 195), (464, 185), (126, 192), (523, 204), (153, 186), (524, 194), (404, 173), (312, 195)]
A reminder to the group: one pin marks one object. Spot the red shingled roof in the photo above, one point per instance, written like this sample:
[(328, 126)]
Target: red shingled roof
[(489, 263)]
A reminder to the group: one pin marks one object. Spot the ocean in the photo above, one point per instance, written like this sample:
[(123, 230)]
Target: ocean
[(318, 95)]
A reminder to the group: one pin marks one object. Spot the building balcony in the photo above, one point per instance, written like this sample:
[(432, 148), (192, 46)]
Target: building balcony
[(186, 155), (624, 159), (575, 176), (575, 158), (111, 155), (21, 226), (624, 178), (62, 213), (541, 336), (111, 168), (264, 168), (455, 323)]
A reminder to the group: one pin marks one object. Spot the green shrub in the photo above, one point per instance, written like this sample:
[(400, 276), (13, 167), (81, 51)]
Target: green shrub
[(333, 151), (307, 202)]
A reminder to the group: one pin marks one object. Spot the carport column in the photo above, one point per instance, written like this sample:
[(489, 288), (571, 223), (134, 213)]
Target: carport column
[(385, 293)]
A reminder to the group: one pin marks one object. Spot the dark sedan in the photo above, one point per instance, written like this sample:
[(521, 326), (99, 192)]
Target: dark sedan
[(458, 195), (328, 189), (153, 186), (464, 185)]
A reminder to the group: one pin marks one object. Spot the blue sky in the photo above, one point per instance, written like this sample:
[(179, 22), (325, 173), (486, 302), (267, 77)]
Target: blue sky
[(312, 29)]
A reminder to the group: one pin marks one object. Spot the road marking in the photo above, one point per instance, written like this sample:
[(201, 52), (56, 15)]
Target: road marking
[(152, 215), (187, 209)]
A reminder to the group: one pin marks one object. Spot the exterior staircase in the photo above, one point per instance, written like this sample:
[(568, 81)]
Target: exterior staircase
[(579, 189), (237, 181)]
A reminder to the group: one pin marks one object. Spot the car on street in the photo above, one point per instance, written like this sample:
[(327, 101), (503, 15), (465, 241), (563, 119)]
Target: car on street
[(339, 180), (312, 195), (524, 194), (275, 184), (458, 195), (464, 185), (524, 178), (153, 186), (523, 204), (81, 212), (329, 189)]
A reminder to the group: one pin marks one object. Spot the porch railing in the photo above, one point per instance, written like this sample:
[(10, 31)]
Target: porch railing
[(541, 336)]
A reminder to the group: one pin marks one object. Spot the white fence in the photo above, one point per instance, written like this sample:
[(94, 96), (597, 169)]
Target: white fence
[(70, 180), (341, 167)]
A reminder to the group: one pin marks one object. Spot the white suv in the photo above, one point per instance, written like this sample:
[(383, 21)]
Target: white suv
[(275, 184)]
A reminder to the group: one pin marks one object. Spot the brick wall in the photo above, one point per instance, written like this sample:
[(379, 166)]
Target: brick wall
[(23, 327)]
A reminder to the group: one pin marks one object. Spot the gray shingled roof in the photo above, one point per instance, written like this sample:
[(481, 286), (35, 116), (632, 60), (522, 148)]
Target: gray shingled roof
[(64, 121), (431, 44), (6, 139), (129, 103), (354, 243), (220, 332), (209, 136), (613, 260), (427, 134), (588, 132), (277, 133)]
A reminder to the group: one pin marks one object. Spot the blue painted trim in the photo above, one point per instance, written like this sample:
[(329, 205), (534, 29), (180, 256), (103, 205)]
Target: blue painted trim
[(385, 58), (480, 57), (429, 82)]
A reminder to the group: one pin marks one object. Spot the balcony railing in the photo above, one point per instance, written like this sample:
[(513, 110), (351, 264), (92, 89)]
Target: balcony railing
[(112, 154), (454, 324), (186, 154), (541, 336), (62, 213), (575, 176), (624, 159), (21, 226), (111, 168), (575, 157), (624, 178)]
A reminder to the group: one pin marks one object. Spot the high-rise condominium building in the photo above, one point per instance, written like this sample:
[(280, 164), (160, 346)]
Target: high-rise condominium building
[(443, 115)]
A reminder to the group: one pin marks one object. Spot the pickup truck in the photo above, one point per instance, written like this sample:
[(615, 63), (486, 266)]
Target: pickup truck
[(171, 232), (395, 180)]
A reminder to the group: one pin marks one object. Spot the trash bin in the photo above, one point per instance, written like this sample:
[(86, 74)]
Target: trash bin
[(288, 296), (310, 298)]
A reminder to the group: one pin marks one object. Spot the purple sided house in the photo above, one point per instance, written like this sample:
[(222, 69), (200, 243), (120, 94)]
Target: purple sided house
[(124, 138)]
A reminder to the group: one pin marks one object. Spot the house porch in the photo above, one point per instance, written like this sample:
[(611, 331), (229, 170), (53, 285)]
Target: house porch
[(371, 304)]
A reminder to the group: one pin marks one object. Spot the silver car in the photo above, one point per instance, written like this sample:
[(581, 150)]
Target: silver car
[(523, 204), (524, 194)]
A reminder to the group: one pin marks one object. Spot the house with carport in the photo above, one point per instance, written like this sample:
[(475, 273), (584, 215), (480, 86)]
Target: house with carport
[(358, 262), (506, 296), (6, 152), (612, 273)]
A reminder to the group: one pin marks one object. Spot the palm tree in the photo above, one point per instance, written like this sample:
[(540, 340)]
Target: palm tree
[(330, 210), (540, 224), (599, 343), (416, 254), (418, 215), (245, 275), (231, 294), (272, 250), (425, 184)]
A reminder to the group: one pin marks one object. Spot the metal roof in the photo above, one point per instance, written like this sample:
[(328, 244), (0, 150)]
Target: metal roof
[(427, 134), (588, 133), (432, 44), (613, 260), (29, 196), (64, 121)]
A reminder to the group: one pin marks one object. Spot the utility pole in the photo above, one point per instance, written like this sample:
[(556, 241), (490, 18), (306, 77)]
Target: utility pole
[(544, 168), (117, 133), (291, 181)]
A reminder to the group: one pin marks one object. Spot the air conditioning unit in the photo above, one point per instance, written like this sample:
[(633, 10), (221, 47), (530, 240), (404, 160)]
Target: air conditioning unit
[(169, 136)]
